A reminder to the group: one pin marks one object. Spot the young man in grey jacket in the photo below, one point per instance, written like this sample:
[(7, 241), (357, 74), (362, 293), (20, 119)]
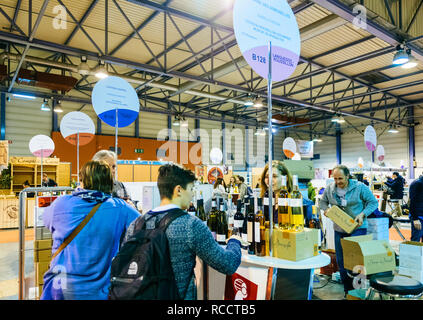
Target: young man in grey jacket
[(356, 199)]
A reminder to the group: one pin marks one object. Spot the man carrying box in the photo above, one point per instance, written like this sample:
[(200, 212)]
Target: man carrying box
[(354, 198)]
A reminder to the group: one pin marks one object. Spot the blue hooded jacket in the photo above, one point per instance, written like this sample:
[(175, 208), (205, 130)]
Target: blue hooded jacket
[(82, 270)]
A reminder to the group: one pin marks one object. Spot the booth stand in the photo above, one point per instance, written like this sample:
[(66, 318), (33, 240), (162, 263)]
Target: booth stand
[(260, 278)]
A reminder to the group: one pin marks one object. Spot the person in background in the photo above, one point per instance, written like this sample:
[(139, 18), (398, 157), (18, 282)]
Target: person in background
[(242, 186), (81, 271), (397, 186), (110, 158), (232, 184), (47, 182), (416, 209), (219, 189), (27, 185), (357, 201), (188, 236)]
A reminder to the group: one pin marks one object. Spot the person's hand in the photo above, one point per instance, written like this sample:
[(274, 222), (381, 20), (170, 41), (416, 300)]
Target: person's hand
[(359, 219), (417, 224), (243, 243), (326, 212)]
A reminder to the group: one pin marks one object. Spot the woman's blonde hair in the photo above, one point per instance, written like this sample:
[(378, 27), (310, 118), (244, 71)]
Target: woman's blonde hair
[(283, 170), (96, 175)]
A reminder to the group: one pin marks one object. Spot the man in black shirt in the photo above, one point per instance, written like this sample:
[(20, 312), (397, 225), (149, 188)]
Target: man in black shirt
[(47, 182)]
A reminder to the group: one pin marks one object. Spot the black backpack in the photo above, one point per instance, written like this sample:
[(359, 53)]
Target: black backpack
[(142, 269)]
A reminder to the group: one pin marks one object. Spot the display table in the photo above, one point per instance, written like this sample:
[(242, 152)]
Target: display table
[(260, 278)]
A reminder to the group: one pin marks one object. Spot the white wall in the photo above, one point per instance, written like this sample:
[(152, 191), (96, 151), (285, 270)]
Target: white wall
[(327, 151)]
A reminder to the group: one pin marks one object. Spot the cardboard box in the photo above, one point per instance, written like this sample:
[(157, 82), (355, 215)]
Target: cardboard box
[(40, 269), (43, 244), (378, 222), (411, 248), (295, 246), (412, 273), (382, 235), (362, 251), (411, 261), (42, 255), (342, 219)]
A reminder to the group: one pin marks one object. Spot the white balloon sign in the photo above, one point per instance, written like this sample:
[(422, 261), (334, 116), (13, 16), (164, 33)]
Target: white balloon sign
[(289, 147), (77, 122), (216, 155), (380, 153), (41, 146), (370, 138)]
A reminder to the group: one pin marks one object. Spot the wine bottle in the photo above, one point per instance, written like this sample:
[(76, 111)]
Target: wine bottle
[(231, 216), (201, 213), (296, 204), (222, 225), (212, 221), (284, 210), (238, 219), (250, 227), (259, 230)]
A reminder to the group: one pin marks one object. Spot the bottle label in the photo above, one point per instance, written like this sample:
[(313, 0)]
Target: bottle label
[(283, 202), (250, 232), (238, 223), (295, 202), (220, 237), (231, 220), (266, 201), (244, 237), (257, 232)]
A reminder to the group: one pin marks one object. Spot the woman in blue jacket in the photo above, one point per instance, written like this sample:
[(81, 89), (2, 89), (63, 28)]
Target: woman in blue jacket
[(356, 200), (81, 271)]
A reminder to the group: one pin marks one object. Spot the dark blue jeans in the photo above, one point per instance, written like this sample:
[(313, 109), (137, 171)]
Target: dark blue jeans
[(346, 279), (416, 235)]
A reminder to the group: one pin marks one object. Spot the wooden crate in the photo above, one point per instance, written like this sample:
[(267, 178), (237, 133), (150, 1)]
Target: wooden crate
[(9, 212)]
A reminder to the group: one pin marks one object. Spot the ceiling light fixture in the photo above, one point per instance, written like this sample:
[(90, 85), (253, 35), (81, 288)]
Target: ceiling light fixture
[(400, 56), (58, 107), (412, 61), (393, 129), (45, 106), (24, 96), (258, 103), (101, 71), (84, 68)]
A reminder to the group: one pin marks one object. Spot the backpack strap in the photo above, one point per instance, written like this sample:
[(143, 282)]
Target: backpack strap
[(76, 230)]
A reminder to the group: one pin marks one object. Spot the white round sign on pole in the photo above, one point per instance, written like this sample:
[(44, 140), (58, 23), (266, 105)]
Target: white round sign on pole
[(260, 22), (360, 162), (370, 138), (77, 122), (41, 146), (380, 153), (289, 147), (115, 101), (296, 156), (216, 155)]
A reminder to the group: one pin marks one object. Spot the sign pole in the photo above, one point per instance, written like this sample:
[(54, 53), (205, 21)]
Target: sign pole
[(116, 142), (77, 158), (41, 178), (269, 123)]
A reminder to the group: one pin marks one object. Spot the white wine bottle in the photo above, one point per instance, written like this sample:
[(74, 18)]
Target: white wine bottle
[(284, 211), (296, 204)]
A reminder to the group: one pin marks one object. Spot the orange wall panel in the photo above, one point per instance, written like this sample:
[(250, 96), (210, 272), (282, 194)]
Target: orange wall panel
[(67, 152)]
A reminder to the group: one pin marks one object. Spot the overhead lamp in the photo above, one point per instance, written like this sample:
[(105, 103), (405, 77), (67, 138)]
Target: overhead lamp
[(400, 56), (317, 139), (101, 72), (83, 67), (258, 103), (45, 106), (339, 119), (393, 129), (249, 103), (24, 96), (412, 61), (184, 123), (176, 122), (58, 107)]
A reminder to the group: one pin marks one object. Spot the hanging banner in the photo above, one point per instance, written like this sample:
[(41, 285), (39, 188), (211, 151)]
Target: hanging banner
[(258, 22), (380, 153), (4, 154), (289, 147), (41, 146), (305, 148), (370, 138), (114, 93), (77, 122)]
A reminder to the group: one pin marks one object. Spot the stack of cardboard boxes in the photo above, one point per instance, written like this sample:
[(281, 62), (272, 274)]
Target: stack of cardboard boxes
[(378, 228), (411, 260), (42, 258)]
